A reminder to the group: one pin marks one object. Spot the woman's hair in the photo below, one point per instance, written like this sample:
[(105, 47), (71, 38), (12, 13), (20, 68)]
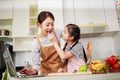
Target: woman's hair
[(43, 15), (74, 30)]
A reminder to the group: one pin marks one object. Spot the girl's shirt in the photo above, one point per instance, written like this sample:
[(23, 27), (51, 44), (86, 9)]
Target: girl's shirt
[(77, 50), (36, 48), (78, 58)]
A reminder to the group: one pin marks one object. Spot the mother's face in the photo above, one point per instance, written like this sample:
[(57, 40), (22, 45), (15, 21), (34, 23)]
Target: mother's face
[(47, 26)]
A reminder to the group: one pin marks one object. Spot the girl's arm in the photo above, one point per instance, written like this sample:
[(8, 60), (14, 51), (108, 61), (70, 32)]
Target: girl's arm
[(61, 53), (54, 33)]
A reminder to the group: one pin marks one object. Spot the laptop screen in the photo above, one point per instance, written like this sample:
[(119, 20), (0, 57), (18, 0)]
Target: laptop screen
[(9, 62)]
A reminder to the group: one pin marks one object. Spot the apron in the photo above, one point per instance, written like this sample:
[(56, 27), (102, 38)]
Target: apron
[(74, 64), (51, 61)]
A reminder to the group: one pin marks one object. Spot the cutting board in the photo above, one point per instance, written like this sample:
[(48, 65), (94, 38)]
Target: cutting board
[(66, 74)]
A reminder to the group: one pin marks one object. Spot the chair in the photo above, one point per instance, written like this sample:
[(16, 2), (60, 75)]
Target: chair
[(88, 52)]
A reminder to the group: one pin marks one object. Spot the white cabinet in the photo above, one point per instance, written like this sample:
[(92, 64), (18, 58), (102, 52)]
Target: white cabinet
[(6, 15), (6, 9), (54, 6), (21, 18), (85, 13), (22, 22), (68, 12), (22, 43), (89, 12), (93, 16), (111, 15)]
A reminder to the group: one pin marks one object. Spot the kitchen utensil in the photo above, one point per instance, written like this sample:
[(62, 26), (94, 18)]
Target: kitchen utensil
[(4, 32)]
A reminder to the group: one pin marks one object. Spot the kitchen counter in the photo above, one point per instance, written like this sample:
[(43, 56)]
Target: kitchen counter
[(108, 76)]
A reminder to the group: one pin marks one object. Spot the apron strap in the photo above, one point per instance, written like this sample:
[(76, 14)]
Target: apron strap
[(37, 38)]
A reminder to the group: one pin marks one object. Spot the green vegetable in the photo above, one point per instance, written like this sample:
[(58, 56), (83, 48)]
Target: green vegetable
[(5, 76), (118, 57)]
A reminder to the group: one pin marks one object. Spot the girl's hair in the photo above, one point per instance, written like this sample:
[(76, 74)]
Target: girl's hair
[(74, 30), (43, 15)]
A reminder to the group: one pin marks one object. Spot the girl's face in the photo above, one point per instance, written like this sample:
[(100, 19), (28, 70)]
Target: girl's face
[(65, 35), (47, 26)]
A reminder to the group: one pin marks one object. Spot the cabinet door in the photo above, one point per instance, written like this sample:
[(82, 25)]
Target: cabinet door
[(89, 11), (21, 18), (22, 43), (97, 12), (111, 15), (82, 11), (6, 9), (54, 6), (68, 12)]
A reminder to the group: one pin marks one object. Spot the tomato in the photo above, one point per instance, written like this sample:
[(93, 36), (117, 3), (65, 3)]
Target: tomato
[(111, 69), (116, 66), (112, 60)]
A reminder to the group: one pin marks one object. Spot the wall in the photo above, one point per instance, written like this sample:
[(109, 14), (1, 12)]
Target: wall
[(102, 48), (116, 38)]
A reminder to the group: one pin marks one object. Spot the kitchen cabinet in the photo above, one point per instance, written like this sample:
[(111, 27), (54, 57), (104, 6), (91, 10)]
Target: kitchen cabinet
[(89, 12), (111, 15), (68, 12), (21, 18), (5, 9), (92, 16), (25, 18), (27, 28), (6, 15), (85, 13), (24, 22), (55, 7), (22, 43)]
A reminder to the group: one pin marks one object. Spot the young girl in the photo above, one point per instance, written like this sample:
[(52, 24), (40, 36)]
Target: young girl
[(45, 58), (73, 50)]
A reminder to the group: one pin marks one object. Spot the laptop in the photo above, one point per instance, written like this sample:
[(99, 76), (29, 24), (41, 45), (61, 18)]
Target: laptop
[(11, 66)]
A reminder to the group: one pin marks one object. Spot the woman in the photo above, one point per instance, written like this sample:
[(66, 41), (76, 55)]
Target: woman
[(45, 58)]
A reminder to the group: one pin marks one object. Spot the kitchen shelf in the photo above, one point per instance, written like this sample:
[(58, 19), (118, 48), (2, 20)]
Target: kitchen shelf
[(33, 10), (23, 36), (33, 30), (6, 22), (6, 37), (33, 21), (33, 18)]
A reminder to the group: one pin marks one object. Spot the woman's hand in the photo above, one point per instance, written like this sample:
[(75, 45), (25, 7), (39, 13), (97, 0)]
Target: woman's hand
[(28, 71)]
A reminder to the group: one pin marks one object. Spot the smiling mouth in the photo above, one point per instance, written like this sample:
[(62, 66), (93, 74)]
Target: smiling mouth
[(49, 31)]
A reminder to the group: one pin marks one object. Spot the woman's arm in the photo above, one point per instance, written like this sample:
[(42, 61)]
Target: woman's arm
[(35, 59), (35, 55)]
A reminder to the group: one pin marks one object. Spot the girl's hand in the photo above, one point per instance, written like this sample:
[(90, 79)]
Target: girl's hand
[(61, 70), (52, 37)]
